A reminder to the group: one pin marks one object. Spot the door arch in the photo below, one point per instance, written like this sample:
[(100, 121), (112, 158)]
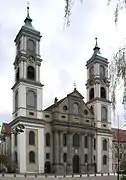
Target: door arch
[(76, 164), (47, 167)]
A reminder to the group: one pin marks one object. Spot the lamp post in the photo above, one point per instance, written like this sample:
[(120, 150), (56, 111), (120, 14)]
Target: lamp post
[(118, 151)]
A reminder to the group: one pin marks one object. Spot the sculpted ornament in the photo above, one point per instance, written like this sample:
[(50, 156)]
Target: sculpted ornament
[(31, 59)]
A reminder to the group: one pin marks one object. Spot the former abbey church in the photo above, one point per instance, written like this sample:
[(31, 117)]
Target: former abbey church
[(71, 135)]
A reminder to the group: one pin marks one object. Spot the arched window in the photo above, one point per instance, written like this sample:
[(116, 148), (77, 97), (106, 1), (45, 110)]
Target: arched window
[(102, 71), (64, 139), (32, 157), (104, 160), (104, 144), (75, 140), (17, 74), (16, 100), (64, 157), (104, 113), (31, 99), (91, 71), (31, 138), (75, 108), (103, 92), (15, 158), (91, 94), (31, 73), (47, 139)]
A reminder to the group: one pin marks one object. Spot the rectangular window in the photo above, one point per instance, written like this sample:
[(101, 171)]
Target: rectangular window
[(94, 158), (86, 158), (47, 116), (31, 113), (86, 142), (63, 117), (94, 143), (47, 155)]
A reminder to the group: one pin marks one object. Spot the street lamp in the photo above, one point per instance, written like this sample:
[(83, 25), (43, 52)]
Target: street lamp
[(118, 151)]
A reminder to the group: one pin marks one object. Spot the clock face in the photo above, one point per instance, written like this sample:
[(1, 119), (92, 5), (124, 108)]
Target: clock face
[(30, 45)]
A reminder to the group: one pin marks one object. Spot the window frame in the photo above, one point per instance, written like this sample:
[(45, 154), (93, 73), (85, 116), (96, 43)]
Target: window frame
[(48, 139), (76, 140), (104, 160), (104, 144), (32, 157), (31, 138), (29, 71)]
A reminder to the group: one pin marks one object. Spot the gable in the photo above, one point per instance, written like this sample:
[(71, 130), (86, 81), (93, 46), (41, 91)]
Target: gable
[(75, 93)]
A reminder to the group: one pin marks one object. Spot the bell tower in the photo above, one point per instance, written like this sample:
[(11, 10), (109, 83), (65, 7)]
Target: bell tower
[(27, 90), (98, 88), (27, 100), (98, 99)]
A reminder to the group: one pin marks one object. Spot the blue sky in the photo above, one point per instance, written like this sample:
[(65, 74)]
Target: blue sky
[(64, 50)]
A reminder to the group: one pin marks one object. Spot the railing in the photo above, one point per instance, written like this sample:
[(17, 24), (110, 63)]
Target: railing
[(7, 175)]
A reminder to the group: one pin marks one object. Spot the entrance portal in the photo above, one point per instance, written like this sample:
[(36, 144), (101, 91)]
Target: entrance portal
[(47, 167), (76, 164)]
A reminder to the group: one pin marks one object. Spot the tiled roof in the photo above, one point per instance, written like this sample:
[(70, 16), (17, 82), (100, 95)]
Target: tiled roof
[(121, 135), (53, 105), (6, 128)]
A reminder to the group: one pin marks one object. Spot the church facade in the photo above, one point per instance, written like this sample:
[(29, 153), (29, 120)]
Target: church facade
[(70, 136)]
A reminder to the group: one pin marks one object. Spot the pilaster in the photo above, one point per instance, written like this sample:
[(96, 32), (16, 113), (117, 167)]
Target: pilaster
[(69, 153), (82, 153)]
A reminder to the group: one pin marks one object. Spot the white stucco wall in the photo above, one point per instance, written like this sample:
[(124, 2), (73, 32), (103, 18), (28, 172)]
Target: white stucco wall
[(22, 151), (21, 147)]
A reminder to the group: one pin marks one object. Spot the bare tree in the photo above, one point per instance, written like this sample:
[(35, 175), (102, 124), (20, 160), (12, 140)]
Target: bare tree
[(68, 7), (120, 4)]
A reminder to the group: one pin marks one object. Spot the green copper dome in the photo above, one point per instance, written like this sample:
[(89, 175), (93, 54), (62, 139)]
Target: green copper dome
[(28, 21), (97, 55)]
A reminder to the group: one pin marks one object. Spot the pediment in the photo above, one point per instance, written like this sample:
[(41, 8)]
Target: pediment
[(76, 93)]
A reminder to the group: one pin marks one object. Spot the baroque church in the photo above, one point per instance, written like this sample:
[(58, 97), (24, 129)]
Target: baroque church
[(71, 135)]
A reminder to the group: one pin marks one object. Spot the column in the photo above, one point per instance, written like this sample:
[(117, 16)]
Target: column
[(69, 153), (25, 70), (56, 148), (40, 149), (37, 73), (89, 153), (25, 43), (37, 47), (21, 69), (12, 146), (61, 147), (22, 42), (82, 152), (22, 151)]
